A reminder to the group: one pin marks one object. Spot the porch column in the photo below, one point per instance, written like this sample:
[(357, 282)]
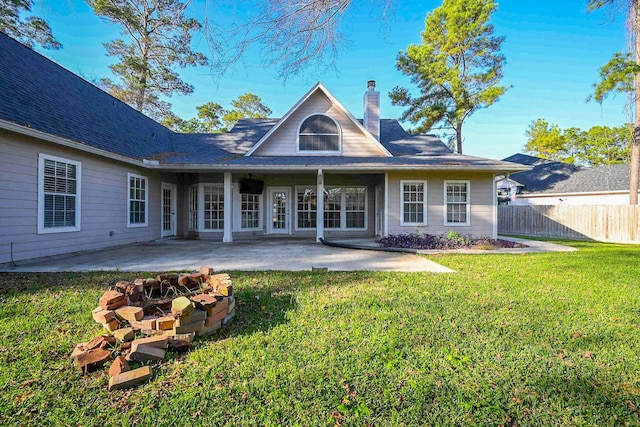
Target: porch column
[(228, 235), (495, 207), (320, 207), (385, 215)]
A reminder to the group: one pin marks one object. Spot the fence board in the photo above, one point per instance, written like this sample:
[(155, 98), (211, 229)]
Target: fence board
[(607, 223)]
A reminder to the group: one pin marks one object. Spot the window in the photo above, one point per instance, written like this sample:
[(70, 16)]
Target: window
[(307, 202), (355, 206), (213, 207), (332, 207), (457, 202), (193, 207), (344, 207), (250, 211), (413, 205), (138, 200), (319, 133), (58, 194)]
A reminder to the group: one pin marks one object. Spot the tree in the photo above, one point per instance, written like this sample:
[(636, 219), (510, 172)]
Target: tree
[(622, 74), (457, 67), (291, 34), (159, 38), (213, 118), (600, 145), (30, 31), (247, 105), (545, 140)]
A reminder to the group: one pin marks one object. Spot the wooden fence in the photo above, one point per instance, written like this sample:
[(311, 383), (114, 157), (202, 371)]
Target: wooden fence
[(607, 223)]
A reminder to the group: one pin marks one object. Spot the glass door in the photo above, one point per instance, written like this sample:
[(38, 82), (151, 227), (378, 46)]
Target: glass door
[(279, 210)]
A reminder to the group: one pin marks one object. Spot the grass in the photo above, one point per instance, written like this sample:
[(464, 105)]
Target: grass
[(537, 339)]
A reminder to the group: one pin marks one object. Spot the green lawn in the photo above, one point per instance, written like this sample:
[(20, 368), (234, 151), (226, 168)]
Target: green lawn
[(537, 339)]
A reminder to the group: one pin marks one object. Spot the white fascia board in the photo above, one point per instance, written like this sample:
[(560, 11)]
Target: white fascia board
[(334, 101), (586, 193), (24, 130)]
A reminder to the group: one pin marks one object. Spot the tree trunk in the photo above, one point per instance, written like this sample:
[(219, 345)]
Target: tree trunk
[(459, 138), (635, 148)]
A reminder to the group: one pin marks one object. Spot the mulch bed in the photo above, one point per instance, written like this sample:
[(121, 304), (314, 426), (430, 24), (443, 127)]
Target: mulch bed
[(430, 241)]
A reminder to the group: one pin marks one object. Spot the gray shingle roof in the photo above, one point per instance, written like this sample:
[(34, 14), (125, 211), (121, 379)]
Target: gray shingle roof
[(39, 94), (552, 177)]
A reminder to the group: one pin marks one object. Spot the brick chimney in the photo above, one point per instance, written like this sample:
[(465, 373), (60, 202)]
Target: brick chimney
[(372, 109)]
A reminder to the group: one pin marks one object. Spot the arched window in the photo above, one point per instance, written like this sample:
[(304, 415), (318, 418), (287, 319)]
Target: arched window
[(319, 133)]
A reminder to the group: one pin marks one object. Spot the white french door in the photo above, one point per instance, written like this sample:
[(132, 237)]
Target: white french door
[(279, 210), (168, 209)]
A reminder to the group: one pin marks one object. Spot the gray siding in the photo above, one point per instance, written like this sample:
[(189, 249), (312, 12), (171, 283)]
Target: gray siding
[(482, 210), (283, 142), (103, 202)]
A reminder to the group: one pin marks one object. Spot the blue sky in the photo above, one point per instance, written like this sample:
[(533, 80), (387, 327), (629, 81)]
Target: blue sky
[(554, 50)]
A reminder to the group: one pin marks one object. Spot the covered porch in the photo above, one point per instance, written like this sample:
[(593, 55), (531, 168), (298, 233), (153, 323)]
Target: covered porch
[(240, 205)]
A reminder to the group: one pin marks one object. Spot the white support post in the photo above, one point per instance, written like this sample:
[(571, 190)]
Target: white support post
[(228, 235), (495, 207), (320, 207), (385, 216)]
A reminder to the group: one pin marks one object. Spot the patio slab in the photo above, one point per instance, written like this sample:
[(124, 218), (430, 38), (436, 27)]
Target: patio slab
[(179, 255)]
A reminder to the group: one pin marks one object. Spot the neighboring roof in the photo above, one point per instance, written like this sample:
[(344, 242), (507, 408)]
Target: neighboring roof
[(553, 177), (39, 94), (42, 99)]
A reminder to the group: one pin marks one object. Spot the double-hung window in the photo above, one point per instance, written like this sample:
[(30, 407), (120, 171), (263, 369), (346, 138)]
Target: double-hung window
[(137, 207), (457, 206), (58, 194), (413, 202)]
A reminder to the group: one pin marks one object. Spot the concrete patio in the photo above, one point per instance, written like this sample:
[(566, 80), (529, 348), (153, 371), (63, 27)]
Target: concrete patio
[(255, 255)]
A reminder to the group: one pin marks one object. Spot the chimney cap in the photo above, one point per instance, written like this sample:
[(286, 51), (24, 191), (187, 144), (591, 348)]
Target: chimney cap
[(371, 85)]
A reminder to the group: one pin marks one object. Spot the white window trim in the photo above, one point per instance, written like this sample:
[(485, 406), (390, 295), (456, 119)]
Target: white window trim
[(424, 203), (193, 191), (343, 208), (146, 201), (238, 211), (295, 199), (317, 152), (444, 194), (201, 203), (41, 228)]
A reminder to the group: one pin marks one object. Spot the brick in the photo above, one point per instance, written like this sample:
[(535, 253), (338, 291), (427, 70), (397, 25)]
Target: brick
[(151, 332), (207, 270), (111, 300), (220, 306), (193, 327), (180, 337), (130, 378), (147, 322), (124, 334), (226, 290), (91, 359), (195, 316), (111, 325), (217, 317), (184, 280), (209, 329), (182, 306), (229, 318), (118, 366), (165, 323), (158, 341), (130, 314), (146, 353), (204, 301), (101, 315)]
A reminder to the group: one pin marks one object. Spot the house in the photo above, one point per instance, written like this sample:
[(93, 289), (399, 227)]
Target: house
[(551, 182), (80, 170)]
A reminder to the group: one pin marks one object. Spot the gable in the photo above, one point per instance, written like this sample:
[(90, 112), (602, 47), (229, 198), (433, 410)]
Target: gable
[(283, 141)]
